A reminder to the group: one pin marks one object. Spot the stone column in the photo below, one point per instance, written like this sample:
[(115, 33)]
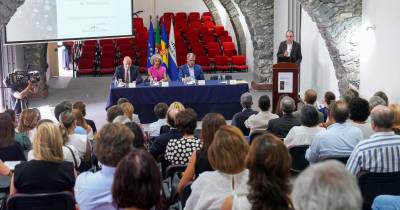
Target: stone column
[(213, 10)]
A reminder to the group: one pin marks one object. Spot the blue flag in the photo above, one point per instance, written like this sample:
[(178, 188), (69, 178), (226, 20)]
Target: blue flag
[(150, 45), (172, 67)]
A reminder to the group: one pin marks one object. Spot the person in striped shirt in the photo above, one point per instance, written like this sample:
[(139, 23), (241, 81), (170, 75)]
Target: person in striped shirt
[(381, 152)]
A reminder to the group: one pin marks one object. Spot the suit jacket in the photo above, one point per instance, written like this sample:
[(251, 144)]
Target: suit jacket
[(281, 126), (295, 53), (160, 143), (297, 114), (134, 74), (184, 71), (239, 118)]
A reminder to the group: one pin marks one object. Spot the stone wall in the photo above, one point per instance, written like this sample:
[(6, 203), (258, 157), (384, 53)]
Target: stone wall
[(7, 9), (213, 10)]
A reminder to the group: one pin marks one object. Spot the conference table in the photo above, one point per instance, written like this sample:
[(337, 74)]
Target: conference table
[(212, 96)]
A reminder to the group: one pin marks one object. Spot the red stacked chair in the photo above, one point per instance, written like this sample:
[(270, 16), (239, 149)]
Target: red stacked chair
[(204, 63), (218, 28), (107, 66), (206, 18), (207, 39), (213, 45), (229, 48), (125, 47), (180, 24), (123, 41), (180, 16), (107, 47), (169, 15), (106, 42), (212, 53), (143, 64), (209, 24), (225, 39), (239, 63), (206, 14), (221, 33), (90, 42), (194, 16), (221, 63), (85, 66), (195, 24)]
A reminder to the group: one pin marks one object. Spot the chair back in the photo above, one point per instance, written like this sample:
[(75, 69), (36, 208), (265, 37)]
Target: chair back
[(45, 201), (374, 184), (299, 161)]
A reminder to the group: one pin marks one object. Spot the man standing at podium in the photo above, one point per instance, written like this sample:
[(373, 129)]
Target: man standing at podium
[(127, 72), (289, 50)]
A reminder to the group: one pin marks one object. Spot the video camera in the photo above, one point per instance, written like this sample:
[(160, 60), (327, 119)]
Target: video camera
[(19, 79)]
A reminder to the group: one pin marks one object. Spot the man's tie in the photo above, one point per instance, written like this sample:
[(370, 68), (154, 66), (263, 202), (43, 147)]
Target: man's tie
[(127, 76)]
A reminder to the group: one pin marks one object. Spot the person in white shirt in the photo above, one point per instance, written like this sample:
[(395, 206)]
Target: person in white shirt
[(260, 120), (290, 49), (160, 110), (67, 126), (304, 134)]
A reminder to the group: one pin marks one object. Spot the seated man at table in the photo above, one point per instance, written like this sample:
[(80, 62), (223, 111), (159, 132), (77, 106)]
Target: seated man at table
[(127, 72), (191, 70)]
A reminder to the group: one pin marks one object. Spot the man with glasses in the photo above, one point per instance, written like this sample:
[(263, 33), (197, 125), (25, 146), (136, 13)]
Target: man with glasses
[(127, 72), (289, 50)]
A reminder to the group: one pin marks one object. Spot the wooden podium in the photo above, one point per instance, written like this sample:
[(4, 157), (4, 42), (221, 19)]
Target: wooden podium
[(285, 81)]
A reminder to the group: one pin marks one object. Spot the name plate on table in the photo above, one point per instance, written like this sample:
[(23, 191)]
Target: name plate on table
[(132, 84), (232, 82), (164, 84), (201, 82)]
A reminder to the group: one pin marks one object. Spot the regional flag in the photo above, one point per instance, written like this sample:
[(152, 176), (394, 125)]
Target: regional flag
[(164, 46)]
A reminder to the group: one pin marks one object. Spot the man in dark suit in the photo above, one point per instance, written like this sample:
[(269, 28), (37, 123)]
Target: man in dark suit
[(191, 70), (127, 70), (239, 118), (281, 126), (290, 49)]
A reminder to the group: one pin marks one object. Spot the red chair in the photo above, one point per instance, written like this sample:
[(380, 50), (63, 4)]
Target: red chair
[(123, 41), (221, 33), (213, 45), (107, 66), (90, 42), (206, 14), (169, 14), (207, 39), (212, 54), (89, 48), (88, 55), (204, 63), (219, 28), (228, 45), (180, 15), (108, 54), (193, 39), (141, 46), (180, 24), (194, 16), (195, 24), (125, 47), (209, 24), (129, 53), (198, 52), (85, 66), (221, 63), (143, 65), (239, 63), (206, 18), (181, 59), (180, 46), (106, 41), (223, 39), (107, 47)]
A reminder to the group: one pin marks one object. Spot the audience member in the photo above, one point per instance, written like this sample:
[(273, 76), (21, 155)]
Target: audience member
[(28, 120), (278, 110), (329, 97), (121, 119), (47, 173), (174, 105), (396, 124), (338, 140), (326, 186), (379, 153), (304, 134), (375, 101), (93, 190), (269, 165), (260, 120), (160, 110), (122, 100), (383, 96), (310, 97), (159, 144), (13, 116), (67, 127), (227, 154), (82, 107), (139, 140), (113, 112), (349, 95), (137, 182), (239, 118), (281, 126), (359, 113), (4, 170), (61, 107), (81, 122), (198, 162), (128, 110), (10, 150), (179, 150)]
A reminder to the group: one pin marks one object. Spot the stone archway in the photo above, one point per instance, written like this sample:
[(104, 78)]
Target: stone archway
[(213, 10), (7, 10)]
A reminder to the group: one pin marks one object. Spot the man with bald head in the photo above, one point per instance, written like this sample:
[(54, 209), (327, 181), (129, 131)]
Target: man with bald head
[(281, 126), (381, 152), (338, 140), (127, 72)]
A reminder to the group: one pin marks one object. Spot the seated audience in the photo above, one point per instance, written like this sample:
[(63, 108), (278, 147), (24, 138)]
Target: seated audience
[(239, 118), (310, 97), (81, 122), (281, 126), (48, 172), (159, 144), (260, 120), (61, 107), (278, 110), (128, 110), (137, 182), (121, 119), (329, 97), (359, 113), (113, 112), (379, 153), (375, 101), (122, 100), (160, 110), (28, 120), (139, 140), (82, 107), (326, 186), (179, 150), (396, 124), (67, 127), (386, 202), (349, 95), (157, 72), (269, 165), (10, 150), (13, 116), (383, 96), (338, 140), (174, 105), (227, 154), (304, 134), (198, 162), (93, 190)]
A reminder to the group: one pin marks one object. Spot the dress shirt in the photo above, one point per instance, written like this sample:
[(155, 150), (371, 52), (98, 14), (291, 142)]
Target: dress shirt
[(380, 154), (365, 128), (289, 48), (338, 140), (301, 135), (93, 190), (191, 73), (260, 120), (154, 128), (127, 73)]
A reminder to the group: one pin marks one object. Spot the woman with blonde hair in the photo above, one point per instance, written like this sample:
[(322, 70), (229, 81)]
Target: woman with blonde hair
[(128, 110), (396, 123), (47, 172), (157, 72)]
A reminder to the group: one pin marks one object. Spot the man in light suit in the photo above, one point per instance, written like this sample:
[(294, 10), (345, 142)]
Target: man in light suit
[(127, 70), (290, 49), (191, 69)]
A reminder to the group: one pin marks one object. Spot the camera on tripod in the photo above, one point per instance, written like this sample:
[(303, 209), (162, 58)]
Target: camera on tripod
[(19, 79)]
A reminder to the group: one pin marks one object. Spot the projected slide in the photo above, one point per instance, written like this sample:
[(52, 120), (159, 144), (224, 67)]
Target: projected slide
[(46, 20)]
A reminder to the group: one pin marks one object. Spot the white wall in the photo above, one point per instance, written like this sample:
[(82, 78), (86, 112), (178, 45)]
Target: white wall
[(316, 71), (380, 68), (280, 23)]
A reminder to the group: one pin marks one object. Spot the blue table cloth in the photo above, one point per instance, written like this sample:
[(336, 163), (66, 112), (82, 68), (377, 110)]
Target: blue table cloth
[(214, 96)]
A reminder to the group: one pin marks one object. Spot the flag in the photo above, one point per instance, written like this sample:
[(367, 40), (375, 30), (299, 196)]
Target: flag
[(172, 67), (150, 45), (164, 46), (157, 37)]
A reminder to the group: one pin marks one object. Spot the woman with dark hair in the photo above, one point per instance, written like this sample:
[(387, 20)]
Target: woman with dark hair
[(359, 113), (137, 182), (304, 134), (328, 98), (10, 150), (179, 150), (138, 141), (198, 162), (269, 165)]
